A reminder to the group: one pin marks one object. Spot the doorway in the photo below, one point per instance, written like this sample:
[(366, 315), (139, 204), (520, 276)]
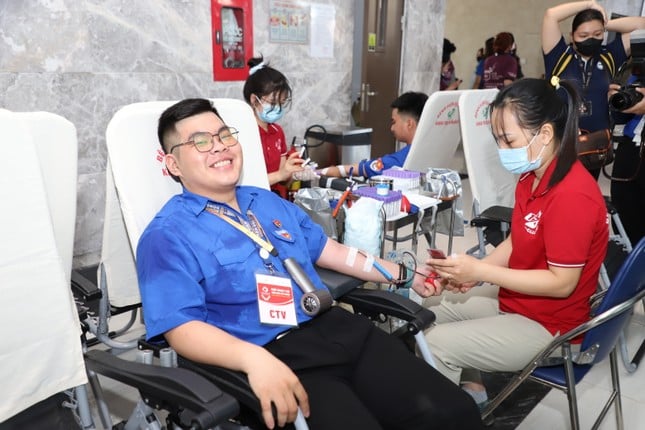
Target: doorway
[(376, 79)]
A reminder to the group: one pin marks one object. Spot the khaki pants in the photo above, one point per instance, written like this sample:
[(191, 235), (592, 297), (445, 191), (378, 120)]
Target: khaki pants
[(471, 335)]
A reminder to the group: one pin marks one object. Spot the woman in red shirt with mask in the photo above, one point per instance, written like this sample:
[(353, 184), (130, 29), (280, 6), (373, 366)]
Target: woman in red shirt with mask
[(537, 283), (268, 92)]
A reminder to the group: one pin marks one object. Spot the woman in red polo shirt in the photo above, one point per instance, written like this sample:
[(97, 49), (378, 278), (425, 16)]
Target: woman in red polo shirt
[(537, 283), (268, 92)]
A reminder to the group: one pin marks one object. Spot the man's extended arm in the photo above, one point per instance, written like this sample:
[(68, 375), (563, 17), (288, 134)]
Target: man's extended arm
[(336, 256)]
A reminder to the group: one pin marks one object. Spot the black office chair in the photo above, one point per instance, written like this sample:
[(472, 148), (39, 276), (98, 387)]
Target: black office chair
[(143, 186)]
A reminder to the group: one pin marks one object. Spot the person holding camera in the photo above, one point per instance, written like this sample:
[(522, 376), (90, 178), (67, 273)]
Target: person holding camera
[(628, 173), (586, 61)]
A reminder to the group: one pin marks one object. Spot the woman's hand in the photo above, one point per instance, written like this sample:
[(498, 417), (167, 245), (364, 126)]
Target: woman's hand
[(461, 288), (293, 163), (456, 271), (594, 5), (290, 165), (275, 384), (454, 85)]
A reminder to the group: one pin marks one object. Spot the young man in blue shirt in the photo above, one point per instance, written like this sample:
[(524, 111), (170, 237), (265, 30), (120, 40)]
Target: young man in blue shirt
[(213, 283), (406, 111)]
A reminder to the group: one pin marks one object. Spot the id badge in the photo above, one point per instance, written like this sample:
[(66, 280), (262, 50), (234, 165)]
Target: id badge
[(275, 300), (585, 108)]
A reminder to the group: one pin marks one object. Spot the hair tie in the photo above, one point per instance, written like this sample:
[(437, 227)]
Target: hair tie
[(256, 68), (555, 81)]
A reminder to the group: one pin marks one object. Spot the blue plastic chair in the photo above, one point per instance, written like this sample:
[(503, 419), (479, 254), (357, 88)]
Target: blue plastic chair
[(601, 335)]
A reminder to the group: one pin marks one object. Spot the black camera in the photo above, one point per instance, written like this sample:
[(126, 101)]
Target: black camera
[(633, 72), (625, 97)]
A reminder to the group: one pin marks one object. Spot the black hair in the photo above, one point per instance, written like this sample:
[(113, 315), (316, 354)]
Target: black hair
[(264, 81), (535, 102), (488, 46), (448, 49), (410, 103), (175, 113), (487, 50), (586, 16)]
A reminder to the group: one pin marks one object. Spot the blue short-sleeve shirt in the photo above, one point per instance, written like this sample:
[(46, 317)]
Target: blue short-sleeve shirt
[(369, 168), (192, 265)]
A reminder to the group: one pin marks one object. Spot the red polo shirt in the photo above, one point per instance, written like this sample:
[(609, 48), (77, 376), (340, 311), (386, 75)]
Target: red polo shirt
[(274, 146), (565, 226)]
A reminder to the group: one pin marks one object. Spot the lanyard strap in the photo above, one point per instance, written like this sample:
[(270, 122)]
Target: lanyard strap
[(586, 69), (264, 244)]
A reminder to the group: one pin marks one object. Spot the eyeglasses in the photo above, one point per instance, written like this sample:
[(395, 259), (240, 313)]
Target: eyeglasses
[(281, 104), (205, 141)]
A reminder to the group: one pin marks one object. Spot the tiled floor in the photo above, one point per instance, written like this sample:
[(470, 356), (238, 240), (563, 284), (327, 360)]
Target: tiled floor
[(552, 412)]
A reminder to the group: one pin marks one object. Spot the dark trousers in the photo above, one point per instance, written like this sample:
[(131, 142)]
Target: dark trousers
[(629, 197), (359, 377)]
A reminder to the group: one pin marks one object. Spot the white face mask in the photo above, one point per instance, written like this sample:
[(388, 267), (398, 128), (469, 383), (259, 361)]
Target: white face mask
[(516, 160)]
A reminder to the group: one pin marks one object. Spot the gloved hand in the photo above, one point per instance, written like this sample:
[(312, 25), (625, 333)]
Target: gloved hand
[(307, 174)]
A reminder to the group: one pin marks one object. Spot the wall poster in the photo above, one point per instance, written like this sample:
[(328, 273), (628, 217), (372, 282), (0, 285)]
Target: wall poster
[(289, 21)]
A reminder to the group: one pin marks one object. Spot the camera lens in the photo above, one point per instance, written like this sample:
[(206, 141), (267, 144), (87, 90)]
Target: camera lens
[(620, 101), (625, 98)]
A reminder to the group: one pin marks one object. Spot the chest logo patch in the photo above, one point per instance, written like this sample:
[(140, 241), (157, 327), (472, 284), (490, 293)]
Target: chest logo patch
[(531, 222)]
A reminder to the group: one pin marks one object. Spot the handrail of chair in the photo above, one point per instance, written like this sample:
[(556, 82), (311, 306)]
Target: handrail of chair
[(203, 402), (585, 327)]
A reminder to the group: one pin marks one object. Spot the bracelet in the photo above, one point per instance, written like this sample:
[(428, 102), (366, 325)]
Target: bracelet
[(406, 276), (409, 277), (402, 273)]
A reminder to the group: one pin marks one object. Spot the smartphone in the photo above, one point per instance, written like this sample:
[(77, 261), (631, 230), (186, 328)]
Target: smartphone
[(436, 253)]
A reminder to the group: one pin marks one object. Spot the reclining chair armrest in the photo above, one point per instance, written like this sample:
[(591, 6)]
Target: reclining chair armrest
[(338, 184), (338, 283), (86, 289), (203, 403), (232, 382), (375, 303), (493, 215)]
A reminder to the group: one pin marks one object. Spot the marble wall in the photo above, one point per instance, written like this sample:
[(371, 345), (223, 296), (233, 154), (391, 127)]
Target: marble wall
[(422, 45), (84, 59)]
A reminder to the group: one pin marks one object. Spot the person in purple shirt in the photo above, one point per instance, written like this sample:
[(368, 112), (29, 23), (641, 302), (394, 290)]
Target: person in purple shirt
[(500, 69), (482, 55), (449, 80)]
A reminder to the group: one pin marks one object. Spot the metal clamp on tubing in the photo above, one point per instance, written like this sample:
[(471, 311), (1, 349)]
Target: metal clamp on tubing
[(314, 301)]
